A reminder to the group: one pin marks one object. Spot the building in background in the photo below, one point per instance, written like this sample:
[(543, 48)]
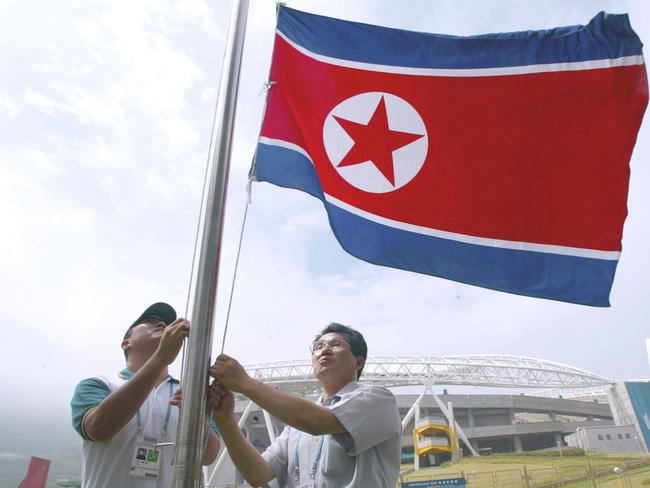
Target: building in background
[(630, 404), (606, 438)]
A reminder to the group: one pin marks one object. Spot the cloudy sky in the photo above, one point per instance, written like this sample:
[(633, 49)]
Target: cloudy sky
[(105, 118)]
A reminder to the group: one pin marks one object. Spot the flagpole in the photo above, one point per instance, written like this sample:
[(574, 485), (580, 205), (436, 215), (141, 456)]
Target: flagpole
[(190, 438)]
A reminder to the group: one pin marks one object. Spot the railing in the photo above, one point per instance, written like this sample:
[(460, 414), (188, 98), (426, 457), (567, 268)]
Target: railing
[(427, 476), (511, 478), (578, 475)]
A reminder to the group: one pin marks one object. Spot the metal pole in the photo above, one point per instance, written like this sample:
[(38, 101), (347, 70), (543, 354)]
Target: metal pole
[(453, 442), (190, 438), (459, 431), (270, 429), (409, 415), (526, 477), (416, 438)]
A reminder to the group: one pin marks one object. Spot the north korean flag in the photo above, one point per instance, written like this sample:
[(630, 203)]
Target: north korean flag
[(498, 160)]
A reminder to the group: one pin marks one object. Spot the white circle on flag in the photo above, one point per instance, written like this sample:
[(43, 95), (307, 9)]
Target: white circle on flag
[(366, 175)]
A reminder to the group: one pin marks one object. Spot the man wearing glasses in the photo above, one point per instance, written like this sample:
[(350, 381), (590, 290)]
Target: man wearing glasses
[(349, 438)]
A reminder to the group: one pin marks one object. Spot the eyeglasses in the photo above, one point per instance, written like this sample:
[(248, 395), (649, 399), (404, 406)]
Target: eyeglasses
[(334, 344)]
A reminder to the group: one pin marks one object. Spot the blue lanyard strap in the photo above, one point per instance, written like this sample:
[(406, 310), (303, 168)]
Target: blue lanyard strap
[(167, 415), (296, 461)]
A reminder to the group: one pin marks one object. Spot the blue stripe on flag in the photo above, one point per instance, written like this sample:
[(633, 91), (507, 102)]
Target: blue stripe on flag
[(544, 275), (559, 277), (607, 36), (286, 168)]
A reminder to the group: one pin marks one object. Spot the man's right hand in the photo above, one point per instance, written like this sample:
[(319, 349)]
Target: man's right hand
[(172, 341), (244, 455), (230, 373), (222, 402)]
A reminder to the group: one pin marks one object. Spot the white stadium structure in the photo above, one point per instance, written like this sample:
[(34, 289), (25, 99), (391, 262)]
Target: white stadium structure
[(561, 400)]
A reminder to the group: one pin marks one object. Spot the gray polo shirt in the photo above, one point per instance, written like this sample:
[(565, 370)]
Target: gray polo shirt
[(367, 456)]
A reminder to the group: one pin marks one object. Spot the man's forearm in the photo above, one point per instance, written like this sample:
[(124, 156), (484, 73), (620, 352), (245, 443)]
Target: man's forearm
[(116, 410), (292, 410), (212, 447), (250, 463)]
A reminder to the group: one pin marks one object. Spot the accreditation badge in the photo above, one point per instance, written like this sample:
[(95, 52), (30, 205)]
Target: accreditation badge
[(146, 458)]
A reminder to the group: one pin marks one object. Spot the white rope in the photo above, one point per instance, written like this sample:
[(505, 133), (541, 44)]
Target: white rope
[(234, 276), (198, 229)]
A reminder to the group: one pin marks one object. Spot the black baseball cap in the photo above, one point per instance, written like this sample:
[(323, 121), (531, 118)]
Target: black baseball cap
[(159, 309)]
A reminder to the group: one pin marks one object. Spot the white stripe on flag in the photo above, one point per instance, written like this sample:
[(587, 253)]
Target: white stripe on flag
[(480, 241), (286, 145), (453, 72)]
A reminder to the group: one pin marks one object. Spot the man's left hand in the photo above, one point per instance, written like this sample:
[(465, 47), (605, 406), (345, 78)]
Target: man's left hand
[(176, 399)]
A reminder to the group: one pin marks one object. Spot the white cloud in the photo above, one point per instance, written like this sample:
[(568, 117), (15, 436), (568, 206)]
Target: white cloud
[(201, 13), (306, 221), (9, 109), (42, 102)]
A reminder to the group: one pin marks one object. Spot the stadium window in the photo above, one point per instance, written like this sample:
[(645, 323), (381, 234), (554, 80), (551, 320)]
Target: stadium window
[(609, 437), (620, 436), (627, 436), (600, 437)]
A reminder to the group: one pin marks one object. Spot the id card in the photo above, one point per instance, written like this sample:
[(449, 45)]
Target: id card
[(146, 458)]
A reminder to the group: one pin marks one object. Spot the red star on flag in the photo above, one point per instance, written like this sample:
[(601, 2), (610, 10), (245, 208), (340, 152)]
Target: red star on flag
[(375, 142)]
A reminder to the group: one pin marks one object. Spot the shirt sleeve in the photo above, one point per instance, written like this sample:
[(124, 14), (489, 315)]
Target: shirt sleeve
[(88, 394), (277, 455), (213, 426), (370, 416)]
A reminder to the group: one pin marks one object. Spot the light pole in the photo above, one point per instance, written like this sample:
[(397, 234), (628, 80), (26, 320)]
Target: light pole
[(619, 474)]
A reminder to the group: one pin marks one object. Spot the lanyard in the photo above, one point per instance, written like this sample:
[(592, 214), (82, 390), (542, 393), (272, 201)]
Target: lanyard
[(169, 411), (314, 467)]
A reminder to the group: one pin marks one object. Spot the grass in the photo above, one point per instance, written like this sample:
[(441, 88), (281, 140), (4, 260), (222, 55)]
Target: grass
[(542, 466)]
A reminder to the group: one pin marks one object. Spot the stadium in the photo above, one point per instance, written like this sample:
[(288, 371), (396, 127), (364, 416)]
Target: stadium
[(517, 404)]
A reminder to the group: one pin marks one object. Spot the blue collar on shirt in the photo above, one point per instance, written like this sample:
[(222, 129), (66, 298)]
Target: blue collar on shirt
[(127, 374)]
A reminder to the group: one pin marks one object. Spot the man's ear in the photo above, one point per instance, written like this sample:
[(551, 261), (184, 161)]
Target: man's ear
[(126, 345), (361, 362)]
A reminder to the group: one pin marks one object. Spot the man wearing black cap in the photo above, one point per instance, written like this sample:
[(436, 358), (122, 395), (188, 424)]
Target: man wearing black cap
[(122, 417)]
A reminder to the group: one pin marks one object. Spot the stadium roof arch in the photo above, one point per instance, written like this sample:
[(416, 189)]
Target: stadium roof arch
[(471, 370)]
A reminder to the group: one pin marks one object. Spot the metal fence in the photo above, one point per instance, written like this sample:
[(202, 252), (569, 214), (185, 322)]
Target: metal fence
[(577, 476), (511, 478)]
